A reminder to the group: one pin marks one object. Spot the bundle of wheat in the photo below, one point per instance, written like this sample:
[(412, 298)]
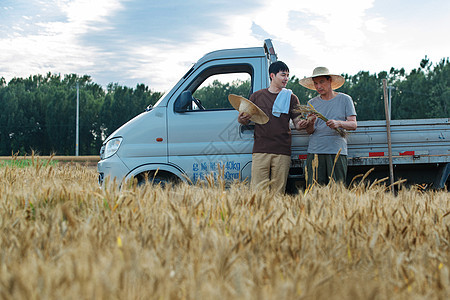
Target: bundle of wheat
[(306, 110)]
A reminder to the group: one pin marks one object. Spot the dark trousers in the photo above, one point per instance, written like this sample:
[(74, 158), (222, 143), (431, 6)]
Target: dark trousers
[(325, 168)]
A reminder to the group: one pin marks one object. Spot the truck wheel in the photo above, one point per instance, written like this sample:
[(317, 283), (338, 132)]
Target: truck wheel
[(161, 178)]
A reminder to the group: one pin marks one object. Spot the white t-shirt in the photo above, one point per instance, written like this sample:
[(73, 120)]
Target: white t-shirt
[(325, 140)]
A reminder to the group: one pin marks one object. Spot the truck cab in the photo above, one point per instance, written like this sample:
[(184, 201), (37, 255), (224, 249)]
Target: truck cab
[(186, 137)]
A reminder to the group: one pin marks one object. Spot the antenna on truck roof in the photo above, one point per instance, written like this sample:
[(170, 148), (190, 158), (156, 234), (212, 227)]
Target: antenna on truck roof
[(270, 51)]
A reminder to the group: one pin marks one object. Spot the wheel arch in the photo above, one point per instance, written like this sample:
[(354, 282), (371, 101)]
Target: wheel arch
[(158, 168)]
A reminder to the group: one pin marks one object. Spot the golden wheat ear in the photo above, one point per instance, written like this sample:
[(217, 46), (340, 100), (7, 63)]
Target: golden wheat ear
[(334, 163)]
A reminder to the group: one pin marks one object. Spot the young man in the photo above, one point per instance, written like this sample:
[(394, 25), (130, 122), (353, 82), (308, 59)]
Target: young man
[(271, 157), (324, 141)]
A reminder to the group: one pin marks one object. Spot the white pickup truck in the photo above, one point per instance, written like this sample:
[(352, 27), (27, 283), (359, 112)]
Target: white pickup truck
[(183, 138)]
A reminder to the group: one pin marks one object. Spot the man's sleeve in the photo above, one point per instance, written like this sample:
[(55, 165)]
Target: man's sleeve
[(252, 97), (350, 107), (294, 103)]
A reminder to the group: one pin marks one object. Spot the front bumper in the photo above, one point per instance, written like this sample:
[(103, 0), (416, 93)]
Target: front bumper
[(111, 169)]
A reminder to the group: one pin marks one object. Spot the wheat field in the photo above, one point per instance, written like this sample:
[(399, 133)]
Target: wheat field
[(62, 237)]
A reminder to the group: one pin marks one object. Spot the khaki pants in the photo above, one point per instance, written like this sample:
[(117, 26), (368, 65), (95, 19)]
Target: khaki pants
[(270, 167)]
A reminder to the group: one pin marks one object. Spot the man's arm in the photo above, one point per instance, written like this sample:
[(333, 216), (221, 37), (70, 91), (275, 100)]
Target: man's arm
[(349, 124)]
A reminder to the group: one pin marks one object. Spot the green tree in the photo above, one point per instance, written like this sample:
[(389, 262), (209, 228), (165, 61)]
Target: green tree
[(366, 91), (411, 98), (20, 118), (439, 101), (122, 104), (215, 95), (39, 114)]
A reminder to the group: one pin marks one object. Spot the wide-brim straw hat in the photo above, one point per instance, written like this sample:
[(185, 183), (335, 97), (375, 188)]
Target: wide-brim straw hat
[(243, 105), (336, 80)]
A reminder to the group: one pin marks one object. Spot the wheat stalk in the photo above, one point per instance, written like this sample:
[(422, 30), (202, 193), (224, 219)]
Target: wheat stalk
[(306, 110)]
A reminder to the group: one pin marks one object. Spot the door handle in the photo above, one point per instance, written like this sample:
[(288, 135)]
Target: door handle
[(247, 129)]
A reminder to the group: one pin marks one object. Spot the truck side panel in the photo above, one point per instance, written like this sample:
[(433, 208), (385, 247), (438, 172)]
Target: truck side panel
[(410, 139), (420, 148), (205, 141)]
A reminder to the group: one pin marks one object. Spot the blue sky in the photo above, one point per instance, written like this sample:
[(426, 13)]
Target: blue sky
[(155, 42)]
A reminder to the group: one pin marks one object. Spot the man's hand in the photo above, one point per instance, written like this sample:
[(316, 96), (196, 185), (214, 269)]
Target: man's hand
[(334, 124), (349, 124), (311, 118), (244, 118), (301, 124), (307, 124)]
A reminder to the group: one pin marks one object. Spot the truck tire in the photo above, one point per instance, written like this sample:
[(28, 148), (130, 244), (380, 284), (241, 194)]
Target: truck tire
[(161, 178)]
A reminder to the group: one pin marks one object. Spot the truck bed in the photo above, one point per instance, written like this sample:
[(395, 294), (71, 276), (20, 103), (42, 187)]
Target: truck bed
[(418, 141), (424, 143)]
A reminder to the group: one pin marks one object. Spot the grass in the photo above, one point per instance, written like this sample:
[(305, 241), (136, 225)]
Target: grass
[(26, 161), (22, 163), (64, 238)]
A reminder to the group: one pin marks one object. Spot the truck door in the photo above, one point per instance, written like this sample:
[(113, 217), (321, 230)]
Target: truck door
[(204, 136)]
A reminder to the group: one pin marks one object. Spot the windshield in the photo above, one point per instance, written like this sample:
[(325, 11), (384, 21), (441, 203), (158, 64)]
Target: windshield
[(159, 101), (163, 97)]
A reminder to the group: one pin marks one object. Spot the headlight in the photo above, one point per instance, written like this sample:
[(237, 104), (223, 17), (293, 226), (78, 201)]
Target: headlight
[(111, 147)]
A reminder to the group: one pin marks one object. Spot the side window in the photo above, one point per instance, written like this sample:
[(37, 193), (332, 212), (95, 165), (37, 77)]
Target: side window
[(213, 92), (209, 89)]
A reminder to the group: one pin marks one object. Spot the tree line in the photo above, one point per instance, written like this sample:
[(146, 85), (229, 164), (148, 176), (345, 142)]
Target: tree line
[(422, 94), (38, 112)]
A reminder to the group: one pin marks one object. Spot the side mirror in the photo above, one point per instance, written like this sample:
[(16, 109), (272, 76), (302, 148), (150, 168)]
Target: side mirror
[(183, 102)]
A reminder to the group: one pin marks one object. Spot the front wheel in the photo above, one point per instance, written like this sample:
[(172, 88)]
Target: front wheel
[(157, 178)]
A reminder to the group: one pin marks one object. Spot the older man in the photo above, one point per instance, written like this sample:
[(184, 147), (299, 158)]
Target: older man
[(324, 141)]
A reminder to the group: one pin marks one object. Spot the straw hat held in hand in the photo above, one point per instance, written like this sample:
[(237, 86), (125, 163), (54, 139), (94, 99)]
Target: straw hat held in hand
[(248, 111)]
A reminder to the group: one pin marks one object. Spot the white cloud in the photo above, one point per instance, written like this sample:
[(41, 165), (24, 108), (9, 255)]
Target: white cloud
[(333, 28), (82, 13), (376, 25), (163, 64), (330, 33), (339, 22), (346, 36), (55, 46)]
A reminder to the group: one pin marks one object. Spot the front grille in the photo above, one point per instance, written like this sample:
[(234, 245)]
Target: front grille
[(101, 177), (102, 152)]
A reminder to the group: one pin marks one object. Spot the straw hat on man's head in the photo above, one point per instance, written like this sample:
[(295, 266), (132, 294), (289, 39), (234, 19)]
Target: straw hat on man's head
[(336, 80), (243, 105)]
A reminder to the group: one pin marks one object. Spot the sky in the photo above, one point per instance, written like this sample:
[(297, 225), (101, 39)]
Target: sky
[(154, 42)]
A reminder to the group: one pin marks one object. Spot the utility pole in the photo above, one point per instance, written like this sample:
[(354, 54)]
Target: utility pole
[(77, 122), (390, 88), (388, 131)]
